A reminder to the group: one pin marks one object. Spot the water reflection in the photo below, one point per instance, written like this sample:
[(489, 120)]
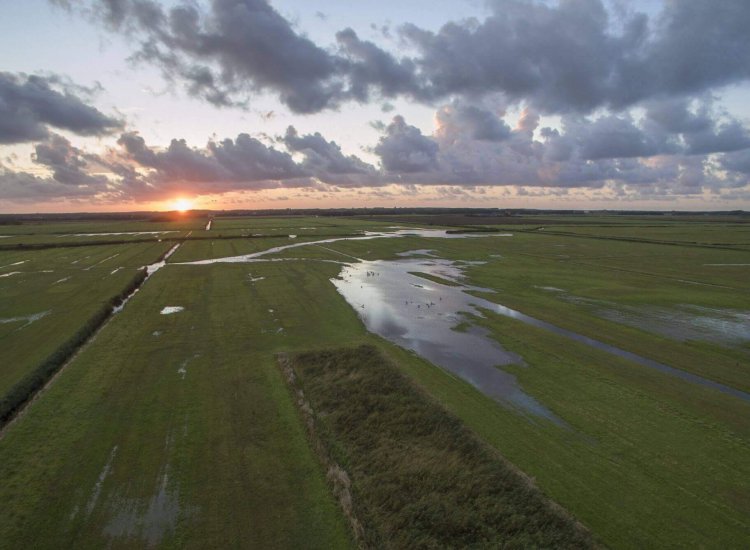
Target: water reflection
[(422, 316), (419, 314)]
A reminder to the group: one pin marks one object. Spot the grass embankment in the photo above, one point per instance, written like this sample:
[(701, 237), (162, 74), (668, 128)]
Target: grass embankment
[(413, 476)]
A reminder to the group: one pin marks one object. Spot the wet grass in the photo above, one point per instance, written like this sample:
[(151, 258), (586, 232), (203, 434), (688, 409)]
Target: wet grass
[(222, 436), (417, 477), (66, 289)]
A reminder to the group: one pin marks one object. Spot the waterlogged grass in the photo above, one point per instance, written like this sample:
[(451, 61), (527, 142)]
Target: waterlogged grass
[(417, 477), (177, 430)]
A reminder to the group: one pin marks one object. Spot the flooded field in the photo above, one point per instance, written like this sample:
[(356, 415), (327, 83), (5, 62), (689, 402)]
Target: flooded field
[(587, 365)]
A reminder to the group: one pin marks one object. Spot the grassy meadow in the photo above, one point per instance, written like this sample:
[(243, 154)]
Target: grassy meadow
[(179, 430)]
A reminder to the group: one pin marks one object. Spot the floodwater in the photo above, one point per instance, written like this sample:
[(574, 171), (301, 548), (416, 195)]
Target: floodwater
[(27, 318), (681, 322), (422, 316), (386, 303), (169, 310), (14, 263), (369, 235), (376, 291), (148, 520), (107, 234), (419, 252), (150, 270)]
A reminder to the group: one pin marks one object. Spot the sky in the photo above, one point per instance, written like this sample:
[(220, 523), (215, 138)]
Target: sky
[(114, 105)]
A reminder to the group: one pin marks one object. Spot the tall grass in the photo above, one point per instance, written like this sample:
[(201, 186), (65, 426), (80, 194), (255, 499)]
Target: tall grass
[(412, 475)]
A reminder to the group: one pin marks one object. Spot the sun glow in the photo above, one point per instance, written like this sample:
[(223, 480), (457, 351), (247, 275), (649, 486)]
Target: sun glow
[(182, 205)]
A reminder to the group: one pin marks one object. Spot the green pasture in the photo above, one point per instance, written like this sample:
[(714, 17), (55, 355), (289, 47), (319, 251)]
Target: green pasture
[(179, 430)]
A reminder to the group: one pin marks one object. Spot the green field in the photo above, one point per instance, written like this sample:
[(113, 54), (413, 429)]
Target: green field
[(179, 430)]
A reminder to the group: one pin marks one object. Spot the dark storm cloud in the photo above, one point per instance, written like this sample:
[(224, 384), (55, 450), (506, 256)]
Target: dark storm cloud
[(737, 162), (30, 104), (25, 187)]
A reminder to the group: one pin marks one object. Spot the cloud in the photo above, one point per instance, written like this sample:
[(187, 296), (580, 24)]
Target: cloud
[(477, 123), (233, 48), (570, 56), (650, 157), (240, 164), (69, 165), (70, 176), (30, 104), (403, 148), (324, 160)]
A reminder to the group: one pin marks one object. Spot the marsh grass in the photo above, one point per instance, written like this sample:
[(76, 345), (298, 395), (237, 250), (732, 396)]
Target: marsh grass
[(418, 477)]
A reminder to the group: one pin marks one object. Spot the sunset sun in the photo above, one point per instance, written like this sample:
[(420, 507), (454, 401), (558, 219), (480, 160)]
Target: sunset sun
[(182, 205)]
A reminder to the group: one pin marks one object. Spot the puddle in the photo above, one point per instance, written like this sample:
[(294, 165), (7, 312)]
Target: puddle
[(420, 252), (208, 225), (682, 322), (169, 310), (27, 318), (61, 280), (550, 288), (292, 236), (254, 279), (354, 277), (421, 316), (182, 371), (728, 265), (99, 482), (10, 274), (156, 266), (148, 520), (150, 270), (13, 264), (156, 333), (115, 270), (107, 234), (104, 260)]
